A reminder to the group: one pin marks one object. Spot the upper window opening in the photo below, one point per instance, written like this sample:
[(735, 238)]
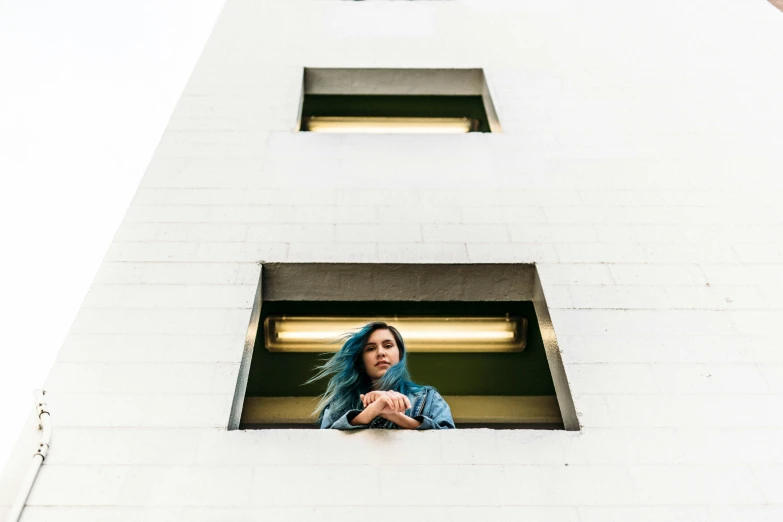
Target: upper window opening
[(395, 101)]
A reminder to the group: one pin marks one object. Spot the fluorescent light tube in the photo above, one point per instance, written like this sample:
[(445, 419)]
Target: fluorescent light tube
[(421, 334), (383, 125)]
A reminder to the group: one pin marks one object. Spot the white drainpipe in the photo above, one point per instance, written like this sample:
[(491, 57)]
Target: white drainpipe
[(44, 424)]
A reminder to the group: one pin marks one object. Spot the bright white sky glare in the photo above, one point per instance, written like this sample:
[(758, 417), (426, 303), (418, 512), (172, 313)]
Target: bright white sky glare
[(86, 90)]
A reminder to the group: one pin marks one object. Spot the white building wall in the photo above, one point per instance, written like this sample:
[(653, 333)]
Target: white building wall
[(639, 168)]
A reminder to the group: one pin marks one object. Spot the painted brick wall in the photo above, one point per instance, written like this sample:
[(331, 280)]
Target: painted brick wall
[(639, 168)]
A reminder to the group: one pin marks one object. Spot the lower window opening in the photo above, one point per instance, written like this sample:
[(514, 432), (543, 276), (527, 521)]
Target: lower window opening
[(487, 389)]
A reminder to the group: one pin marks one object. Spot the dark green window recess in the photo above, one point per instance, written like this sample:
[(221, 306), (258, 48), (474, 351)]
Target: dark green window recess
[(519, 384), (396, 101), (516, 386), (412, 114)]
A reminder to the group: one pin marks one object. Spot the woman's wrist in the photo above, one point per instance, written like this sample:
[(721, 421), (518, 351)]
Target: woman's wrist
[(402, 420), (367, 415), (384, 405)]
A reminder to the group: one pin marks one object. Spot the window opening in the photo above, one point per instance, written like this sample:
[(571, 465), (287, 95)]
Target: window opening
[(520, 385), (443, 101)]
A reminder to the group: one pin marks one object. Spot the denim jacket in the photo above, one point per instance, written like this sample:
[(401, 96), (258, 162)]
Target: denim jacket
[(428, 407)]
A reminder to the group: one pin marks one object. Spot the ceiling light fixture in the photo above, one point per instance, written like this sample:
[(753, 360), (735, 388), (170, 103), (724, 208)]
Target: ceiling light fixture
[(421, 334), (388, 125)]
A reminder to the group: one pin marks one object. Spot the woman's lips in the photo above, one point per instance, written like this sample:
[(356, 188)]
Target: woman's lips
[(384, 363)]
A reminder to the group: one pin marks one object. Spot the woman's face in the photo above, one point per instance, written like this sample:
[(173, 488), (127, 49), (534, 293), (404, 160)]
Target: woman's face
[(380, 353)]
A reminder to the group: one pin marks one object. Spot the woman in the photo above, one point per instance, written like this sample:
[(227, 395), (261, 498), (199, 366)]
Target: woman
[(370, 386)]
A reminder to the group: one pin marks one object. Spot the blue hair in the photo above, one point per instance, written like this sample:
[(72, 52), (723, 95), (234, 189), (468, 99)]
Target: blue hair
[(348, 379)]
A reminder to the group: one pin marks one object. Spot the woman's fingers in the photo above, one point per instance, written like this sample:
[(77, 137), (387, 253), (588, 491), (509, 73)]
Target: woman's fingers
[(398, 403), (379, 406), (403, 403), (369, 398), (392, 401)]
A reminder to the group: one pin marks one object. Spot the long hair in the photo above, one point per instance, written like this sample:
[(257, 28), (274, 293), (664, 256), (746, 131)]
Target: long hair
[(348, 378)]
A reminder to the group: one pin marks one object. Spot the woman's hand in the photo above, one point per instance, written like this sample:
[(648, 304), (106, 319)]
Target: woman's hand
[(391, 401), (396, 402), (396, 413), (371, 397), (374, 403), (390, 405), (395, 405)]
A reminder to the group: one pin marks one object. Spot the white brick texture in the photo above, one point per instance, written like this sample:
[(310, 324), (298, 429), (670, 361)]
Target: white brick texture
[(638, 168)]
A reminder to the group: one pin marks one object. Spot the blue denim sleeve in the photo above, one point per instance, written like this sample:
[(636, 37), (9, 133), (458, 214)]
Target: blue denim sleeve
[(329, 421), (438, 414)]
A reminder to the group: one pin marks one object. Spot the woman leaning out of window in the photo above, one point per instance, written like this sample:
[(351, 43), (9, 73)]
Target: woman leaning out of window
[(370, 386)]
